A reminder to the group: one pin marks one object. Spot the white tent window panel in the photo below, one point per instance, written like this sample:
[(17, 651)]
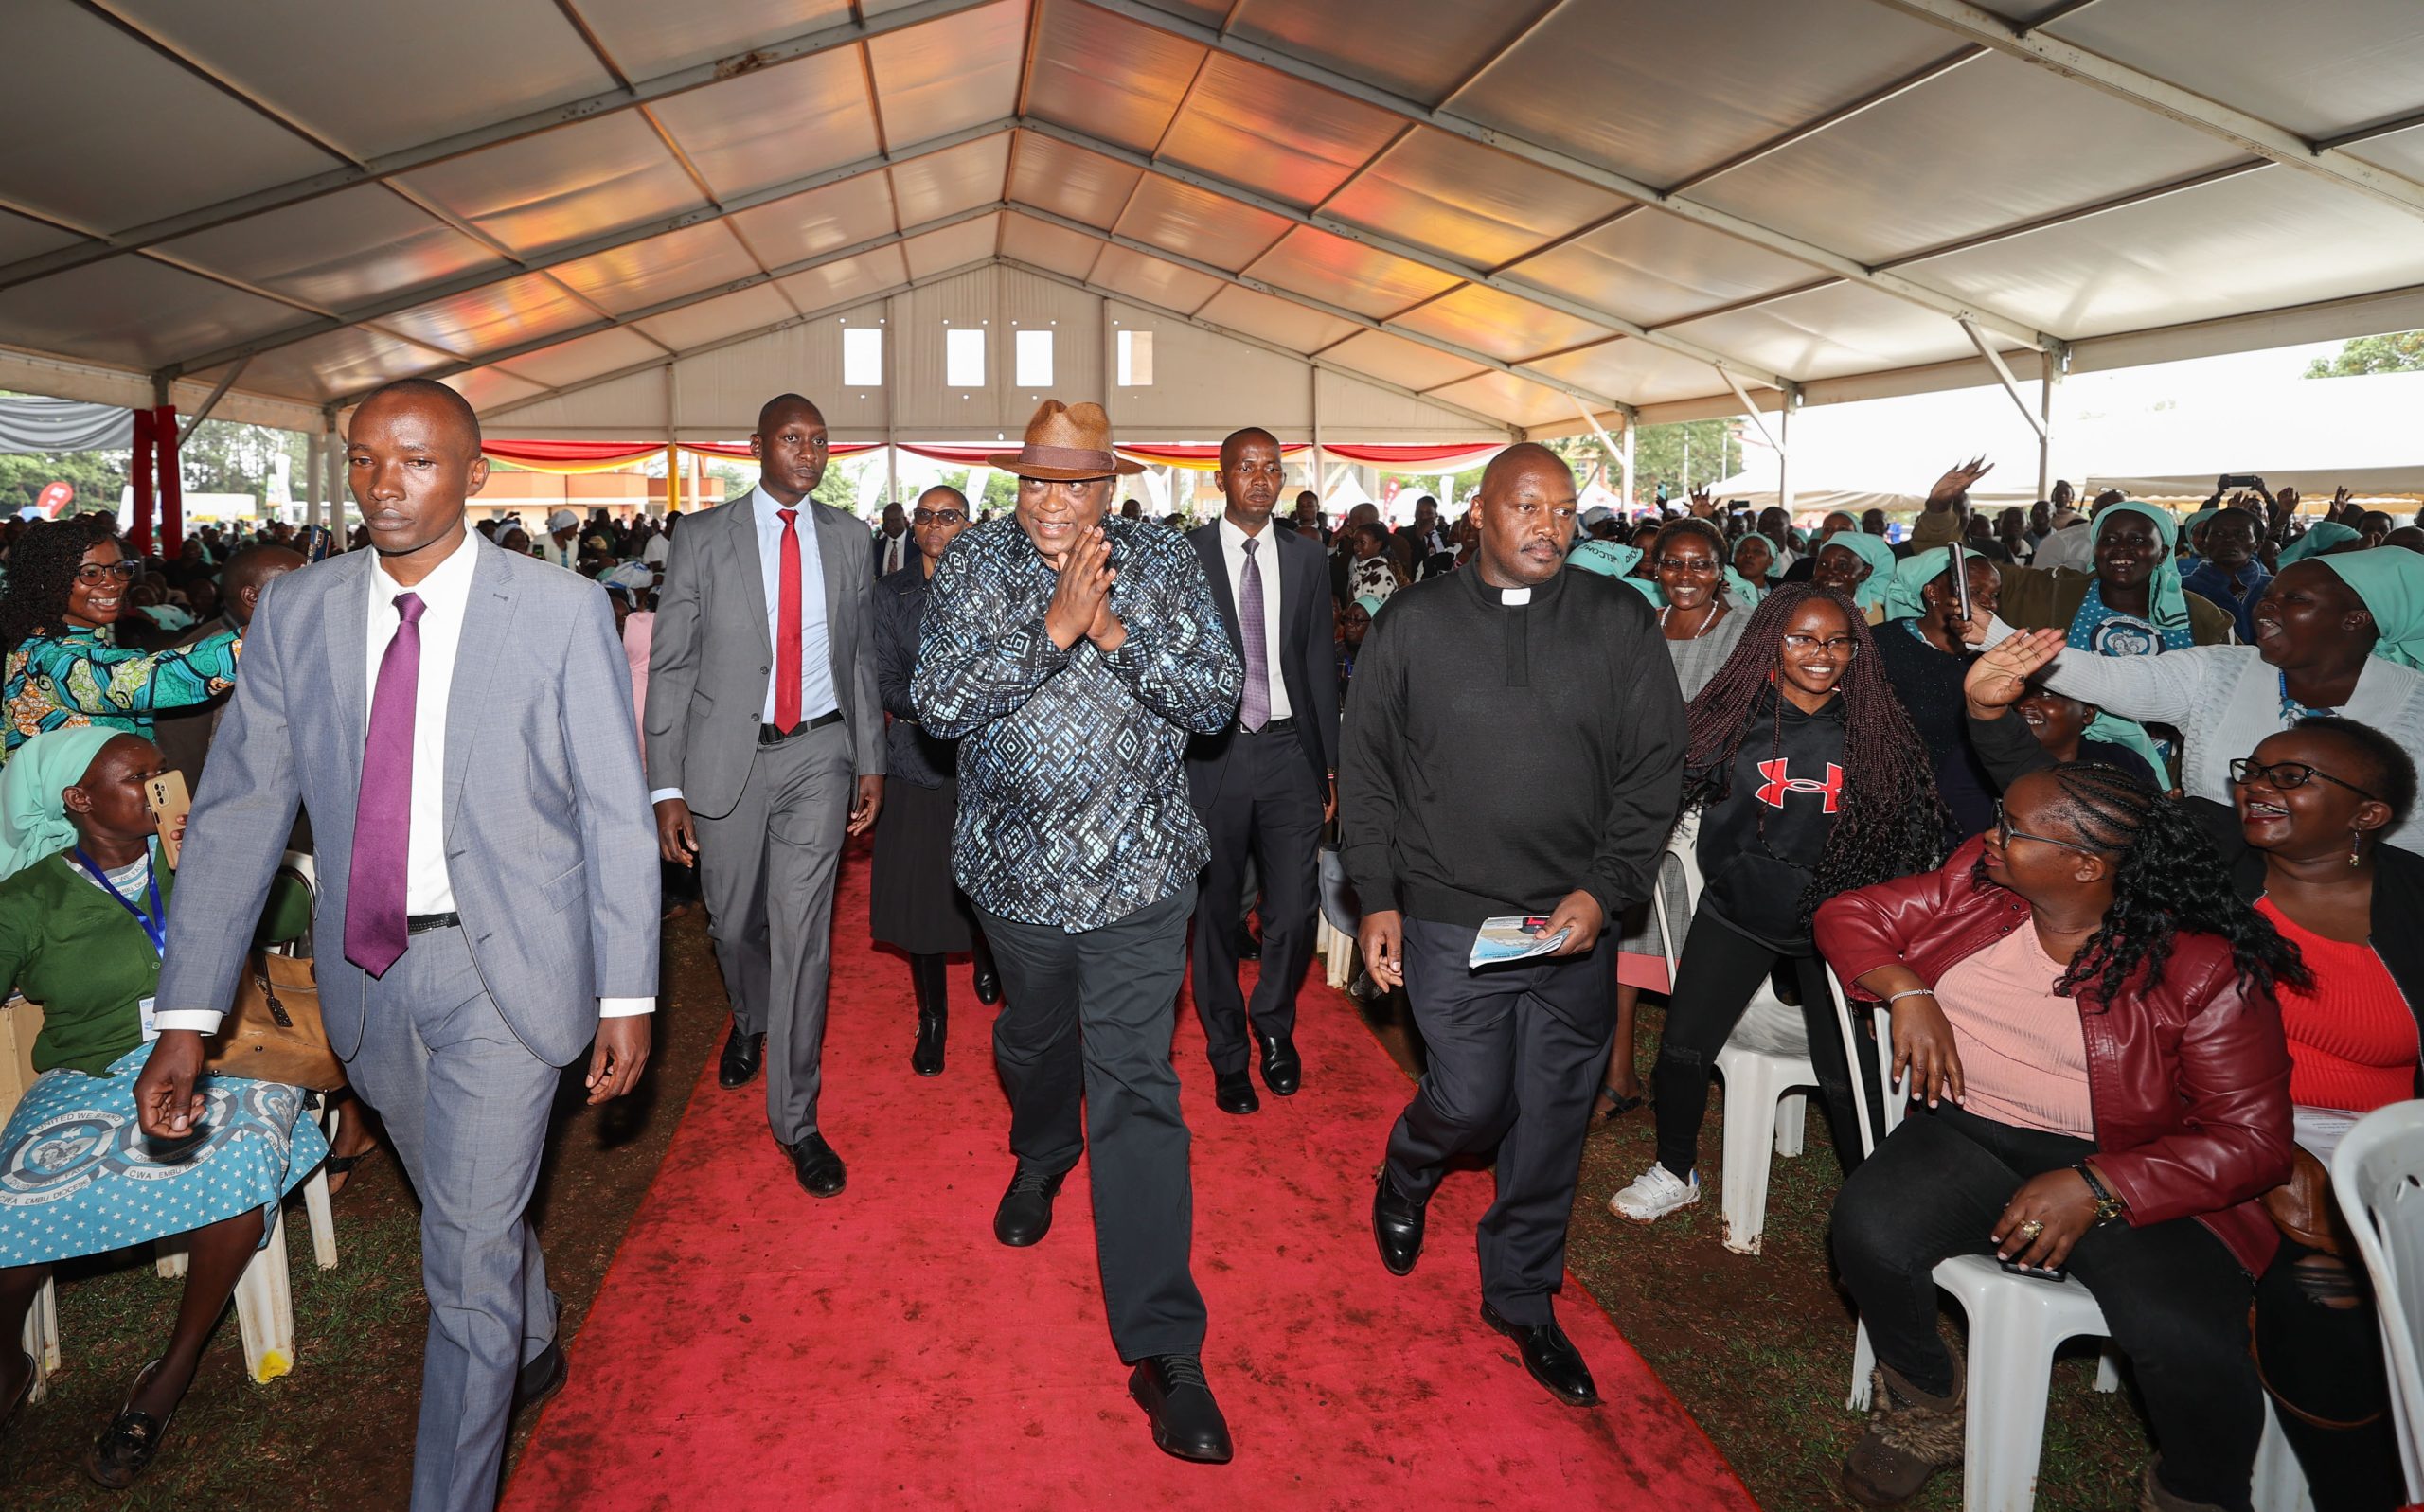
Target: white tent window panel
[(964, 358), (862, 357), (1035, 359), (1135, 359)]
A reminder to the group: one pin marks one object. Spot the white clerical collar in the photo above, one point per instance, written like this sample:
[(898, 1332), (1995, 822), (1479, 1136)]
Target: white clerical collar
[(1514, 598)]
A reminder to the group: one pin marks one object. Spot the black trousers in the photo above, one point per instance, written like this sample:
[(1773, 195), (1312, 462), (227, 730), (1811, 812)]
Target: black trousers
[(2324, 1364), (1084, 1045), (1515, 1053), (2173, 1296), (1718, 972), (1268, 816)]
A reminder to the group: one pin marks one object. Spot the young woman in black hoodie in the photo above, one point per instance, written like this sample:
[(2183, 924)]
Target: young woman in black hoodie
[(1809, 781)]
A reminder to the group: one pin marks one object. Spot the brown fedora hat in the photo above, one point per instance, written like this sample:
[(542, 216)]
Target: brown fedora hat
[(1065, 442)]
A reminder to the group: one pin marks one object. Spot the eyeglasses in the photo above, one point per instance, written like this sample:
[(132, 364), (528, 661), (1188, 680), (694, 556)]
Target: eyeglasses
[(937, 517), (2006, 834), (2288, 774), (1842, 644), (95, 573), (1699, 565)]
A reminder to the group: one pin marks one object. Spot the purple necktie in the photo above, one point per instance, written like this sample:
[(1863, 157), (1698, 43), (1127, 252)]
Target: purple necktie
[(1254, 710), (375, 931)]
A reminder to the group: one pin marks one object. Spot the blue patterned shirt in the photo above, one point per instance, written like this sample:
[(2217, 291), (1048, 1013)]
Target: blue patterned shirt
[(1073, 799)]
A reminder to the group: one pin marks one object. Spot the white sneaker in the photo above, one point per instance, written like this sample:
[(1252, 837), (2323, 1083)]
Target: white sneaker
[(1655, 1194)]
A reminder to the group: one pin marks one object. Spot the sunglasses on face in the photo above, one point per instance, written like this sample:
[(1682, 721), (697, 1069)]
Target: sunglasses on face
[(2287, 775), (2005, 834), (95, 573), (936, 517)]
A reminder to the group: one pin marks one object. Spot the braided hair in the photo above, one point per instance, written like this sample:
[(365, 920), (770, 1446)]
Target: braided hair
[(42, 570), (1891, 823), (2167, 882)]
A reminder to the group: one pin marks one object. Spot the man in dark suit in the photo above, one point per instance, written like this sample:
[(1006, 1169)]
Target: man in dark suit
[(765, 746), (1268, 783), (1308, 518), (894, 549)]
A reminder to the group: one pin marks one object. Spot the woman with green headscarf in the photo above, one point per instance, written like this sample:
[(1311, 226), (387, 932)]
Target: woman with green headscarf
[(1860, 567), (83, 918), (2133, 604), (2321, 537), (2339, 636), (1925, 648)]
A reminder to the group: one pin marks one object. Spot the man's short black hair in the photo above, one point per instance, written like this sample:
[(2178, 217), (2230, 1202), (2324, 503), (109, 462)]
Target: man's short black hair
[(456, 404)]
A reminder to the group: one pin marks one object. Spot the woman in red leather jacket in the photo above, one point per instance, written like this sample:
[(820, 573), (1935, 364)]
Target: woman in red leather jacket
[(2085, 1007)]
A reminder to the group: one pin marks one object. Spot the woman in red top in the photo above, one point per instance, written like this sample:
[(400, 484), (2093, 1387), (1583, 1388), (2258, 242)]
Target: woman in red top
[(2086, 1007), (2303, 841)]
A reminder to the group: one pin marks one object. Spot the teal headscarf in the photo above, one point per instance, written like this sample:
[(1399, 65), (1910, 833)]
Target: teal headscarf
[(2166, 601), (2391, 582), (1911, 575), (33, 818), (2188, 530), (2114, 730), (1371, 605), (1876, 588), (2320, 536), (1610, 560)]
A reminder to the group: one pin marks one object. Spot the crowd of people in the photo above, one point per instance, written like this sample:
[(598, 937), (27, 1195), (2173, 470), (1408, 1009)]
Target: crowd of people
[(2101, 810)]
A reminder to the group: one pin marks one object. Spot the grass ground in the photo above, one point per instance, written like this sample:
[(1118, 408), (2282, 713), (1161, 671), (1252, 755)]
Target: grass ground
[(1757, 1348)]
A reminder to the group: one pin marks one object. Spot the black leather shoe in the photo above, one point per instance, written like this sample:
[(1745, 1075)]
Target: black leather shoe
[(1551, 1358), (926, 1056), (541, 1377), (1282, 1072), (1233, 1092), (820, 1170), (1187, 1421), (984, 979), (1025, 1214), (1396, 1224), (742, 1054)]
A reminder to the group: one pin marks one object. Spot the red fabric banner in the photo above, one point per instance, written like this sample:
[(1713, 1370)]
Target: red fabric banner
[(138, 534), (1407, 457), (172, 480)]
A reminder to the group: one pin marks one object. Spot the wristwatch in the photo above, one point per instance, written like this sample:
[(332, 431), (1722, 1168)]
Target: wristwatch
[(2108, 1207)]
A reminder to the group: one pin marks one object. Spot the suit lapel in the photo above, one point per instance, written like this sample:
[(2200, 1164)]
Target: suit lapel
[(344, 614), (835, 555), (750, 567), (1209, 549), (488, 619)]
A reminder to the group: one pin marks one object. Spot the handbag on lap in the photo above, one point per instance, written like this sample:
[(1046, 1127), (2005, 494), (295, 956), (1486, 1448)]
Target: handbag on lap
[(272, 1032)]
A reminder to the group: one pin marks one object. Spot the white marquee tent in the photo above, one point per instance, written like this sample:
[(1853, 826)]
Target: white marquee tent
[(1361, 219)]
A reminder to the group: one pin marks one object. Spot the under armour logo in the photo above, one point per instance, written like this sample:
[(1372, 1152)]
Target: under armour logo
[(1772, 792)]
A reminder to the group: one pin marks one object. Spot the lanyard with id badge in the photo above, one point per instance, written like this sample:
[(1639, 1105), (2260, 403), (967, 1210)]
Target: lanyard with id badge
[(151, 917)]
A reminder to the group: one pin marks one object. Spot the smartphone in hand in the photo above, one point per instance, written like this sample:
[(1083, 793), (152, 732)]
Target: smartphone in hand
[(169, 803)]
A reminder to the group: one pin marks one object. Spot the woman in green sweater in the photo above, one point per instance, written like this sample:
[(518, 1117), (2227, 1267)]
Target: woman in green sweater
[(83, 909)]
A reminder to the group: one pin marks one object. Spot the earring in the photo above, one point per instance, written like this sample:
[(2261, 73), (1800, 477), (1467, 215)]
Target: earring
[(2355, 845)]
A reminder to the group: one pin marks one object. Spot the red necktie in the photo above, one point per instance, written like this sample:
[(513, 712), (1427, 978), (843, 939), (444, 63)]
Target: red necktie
[(787, 672)]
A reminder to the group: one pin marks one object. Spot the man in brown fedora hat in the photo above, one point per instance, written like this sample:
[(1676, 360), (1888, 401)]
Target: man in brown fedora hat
[(1072, 656)]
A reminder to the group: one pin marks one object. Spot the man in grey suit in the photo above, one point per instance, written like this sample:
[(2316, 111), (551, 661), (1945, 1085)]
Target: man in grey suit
[(765, 744), (488, 935)]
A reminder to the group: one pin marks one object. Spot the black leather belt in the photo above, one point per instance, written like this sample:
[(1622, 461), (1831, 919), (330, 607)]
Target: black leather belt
[(423, 923), (1276, 726), (768, 735)]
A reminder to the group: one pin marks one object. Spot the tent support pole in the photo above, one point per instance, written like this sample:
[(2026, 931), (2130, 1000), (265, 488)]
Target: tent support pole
[(1626, 457), (311, 451), (2050, 367), (1784, 457), (1774, 438), (2003, 375)]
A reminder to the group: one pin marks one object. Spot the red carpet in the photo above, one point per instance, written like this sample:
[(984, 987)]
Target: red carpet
[(755, 1347)]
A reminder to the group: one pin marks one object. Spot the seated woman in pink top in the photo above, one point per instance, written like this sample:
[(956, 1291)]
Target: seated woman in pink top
[(2303, 841), (2086, 1009)]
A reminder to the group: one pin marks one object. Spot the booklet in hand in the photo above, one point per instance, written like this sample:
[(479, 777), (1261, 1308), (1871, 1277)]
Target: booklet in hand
[(1513, 937)]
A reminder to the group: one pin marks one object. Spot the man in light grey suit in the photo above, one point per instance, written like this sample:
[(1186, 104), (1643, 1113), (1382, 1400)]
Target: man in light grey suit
[(765, 746), (489, 934)]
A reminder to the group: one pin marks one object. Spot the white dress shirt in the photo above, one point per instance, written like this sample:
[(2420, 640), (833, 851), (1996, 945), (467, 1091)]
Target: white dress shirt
[(896, 551), (1266, 561), (659, 547)]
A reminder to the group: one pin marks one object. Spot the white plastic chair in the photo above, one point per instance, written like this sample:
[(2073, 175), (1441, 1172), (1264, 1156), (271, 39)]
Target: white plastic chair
[(1764, 1063), (2378, 1173), (2016, 1322)]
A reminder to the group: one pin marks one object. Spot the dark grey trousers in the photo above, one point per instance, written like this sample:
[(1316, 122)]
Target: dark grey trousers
[(1086, 1019), (767, 869), (465, 1104), (1268, 818), (1515, 1053)]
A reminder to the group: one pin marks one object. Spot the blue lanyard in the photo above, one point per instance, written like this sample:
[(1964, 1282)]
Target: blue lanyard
[(155, 921)]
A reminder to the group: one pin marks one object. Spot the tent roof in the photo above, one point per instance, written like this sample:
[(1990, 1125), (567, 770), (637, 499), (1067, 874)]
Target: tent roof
[(1517, 210)]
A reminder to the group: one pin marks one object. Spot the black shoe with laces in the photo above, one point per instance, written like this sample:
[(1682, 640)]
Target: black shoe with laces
[(1187, 1421), (1025, 1214), (1550, 1356), (1396, 1225)]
